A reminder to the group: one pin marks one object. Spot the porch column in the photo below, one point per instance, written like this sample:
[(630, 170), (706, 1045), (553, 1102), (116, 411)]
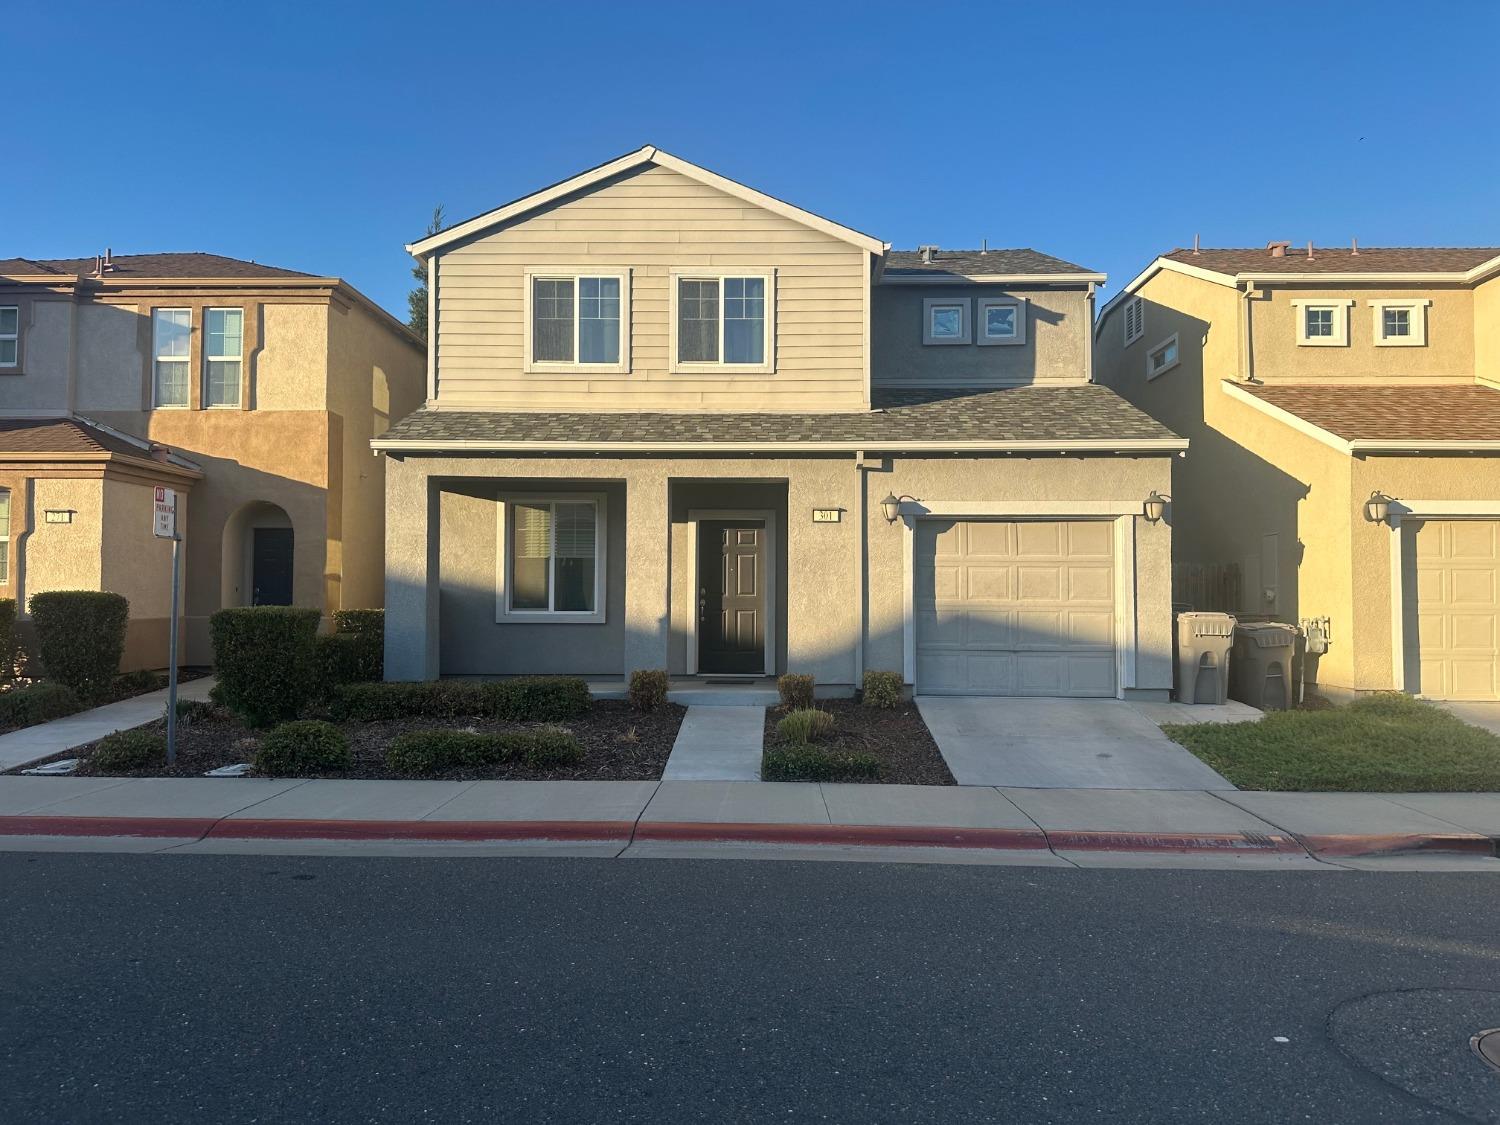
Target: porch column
[(822, 626), (411, 571), (647, 554)]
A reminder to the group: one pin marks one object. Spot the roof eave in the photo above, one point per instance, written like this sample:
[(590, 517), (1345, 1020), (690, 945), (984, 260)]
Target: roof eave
[(1080, 445), (995, 278)]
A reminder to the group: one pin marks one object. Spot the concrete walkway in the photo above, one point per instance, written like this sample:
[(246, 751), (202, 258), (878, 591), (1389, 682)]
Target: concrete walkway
[(1060, 744), (718, 743), (31, 744)]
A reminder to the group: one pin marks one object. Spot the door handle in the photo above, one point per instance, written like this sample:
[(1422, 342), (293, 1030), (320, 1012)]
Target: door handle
[(703, 603)]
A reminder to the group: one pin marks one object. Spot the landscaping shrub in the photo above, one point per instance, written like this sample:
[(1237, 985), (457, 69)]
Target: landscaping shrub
[(436, 751), (796, 691), (80, 638), (359, 622), (265, 658), (130, 750), (302, 747), (523, 700), (813, 763), (882, 689), (7, 637), (192, 712), (648, 688), (805, 725), (37, 703), (349, 658), (139, 682)]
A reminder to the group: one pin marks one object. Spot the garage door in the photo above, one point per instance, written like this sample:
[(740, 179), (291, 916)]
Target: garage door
[(1015, 607), (1456, 608)]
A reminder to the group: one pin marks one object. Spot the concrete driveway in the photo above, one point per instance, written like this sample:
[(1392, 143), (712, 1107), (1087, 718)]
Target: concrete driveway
[(1059, 744)]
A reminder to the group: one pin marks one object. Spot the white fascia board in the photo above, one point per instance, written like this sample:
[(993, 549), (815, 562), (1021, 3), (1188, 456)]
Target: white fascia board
[(1151, 271), (1295, 421), (790, 449), (1351, 278), (1386, 445), (998, 279)]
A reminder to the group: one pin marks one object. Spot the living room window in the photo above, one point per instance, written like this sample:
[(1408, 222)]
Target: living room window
[(223, 356), (1399, 323), (552, 559), (723, 321), (171, 333), (1322, 323), (1002, 320), (578, 321), (945, 321), (10, 336)]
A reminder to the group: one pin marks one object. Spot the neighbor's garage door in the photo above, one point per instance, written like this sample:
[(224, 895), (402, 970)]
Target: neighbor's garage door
[(1015, 607), (1457, 562)]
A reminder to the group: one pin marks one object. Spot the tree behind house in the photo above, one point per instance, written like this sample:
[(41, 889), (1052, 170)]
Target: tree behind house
[(416, 300)]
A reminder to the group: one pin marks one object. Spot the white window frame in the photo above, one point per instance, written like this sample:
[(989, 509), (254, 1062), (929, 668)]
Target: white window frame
[(1153, 371), (1339, 306), (982, 321), (504, 614), (575, 274), (186, 361), (5, 508), (15, 337), (1416, 309), (1134, 320), (965, 320), (768, 348), (207, 359)]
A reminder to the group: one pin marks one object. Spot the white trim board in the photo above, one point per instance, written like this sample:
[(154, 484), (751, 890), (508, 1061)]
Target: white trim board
[(768, 518)]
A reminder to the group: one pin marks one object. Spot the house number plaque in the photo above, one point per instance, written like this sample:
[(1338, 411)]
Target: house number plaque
[(827, 515)]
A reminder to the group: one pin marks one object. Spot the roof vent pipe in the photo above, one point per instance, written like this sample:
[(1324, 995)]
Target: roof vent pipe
[(1195, 243), (1278, 249), (1309, 250), (928, 253), (984, 245), (1354, 246)]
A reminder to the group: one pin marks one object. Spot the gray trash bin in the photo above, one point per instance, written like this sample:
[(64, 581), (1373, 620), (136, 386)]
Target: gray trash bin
[(1262, 665), (1203, 644)]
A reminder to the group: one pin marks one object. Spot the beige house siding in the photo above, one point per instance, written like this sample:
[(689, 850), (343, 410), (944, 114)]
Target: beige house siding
[(652, 222)]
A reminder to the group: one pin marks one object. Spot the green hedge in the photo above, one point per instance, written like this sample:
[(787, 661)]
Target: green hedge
[(813, 763), (266, 660), (7, 637), (648, 689), (883, 690), (129, 750), (360, 621), (303, 747), (37, 703), (437, 751), (349, 658), (81, 637), (525, 700)]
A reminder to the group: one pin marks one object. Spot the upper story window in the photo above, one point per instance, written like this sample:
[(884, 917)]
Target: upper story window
[(171, 333), (1163, 357), (552, 555), (1002, 320), (1322, 322), (945, 321), (1400, 323), (1135, 320), (4, 537), (578, 321), (723, 321), (223, 356), (10, 336)]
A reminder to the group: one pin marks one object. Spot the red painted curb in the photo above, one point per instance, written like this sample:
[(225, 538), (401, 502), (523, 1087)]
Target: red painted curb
[(267, 829), (161, 827), (869, 835), (1089, 840), (1459, 843)]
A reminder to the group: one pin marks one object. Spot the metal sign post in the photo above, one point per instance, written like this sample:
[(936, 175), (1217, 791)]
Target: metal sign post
[(164, 526)]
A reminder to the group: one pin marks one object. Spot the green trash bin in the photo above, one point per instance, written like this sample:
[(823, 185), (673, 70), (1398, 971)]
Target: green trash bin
[(1261, 665)]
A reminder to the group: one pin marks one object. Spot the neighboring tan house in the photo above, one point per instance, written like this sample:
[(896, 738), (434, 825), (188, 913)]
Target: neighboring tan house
[(253, 391), (1320, 389), (664, 410)]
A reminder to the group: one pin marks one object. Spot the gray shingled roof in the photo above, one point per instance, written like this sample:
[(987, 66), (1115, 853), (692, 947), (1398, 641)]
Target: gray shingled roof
[(908, 263), (1082, 412), (186, 265), (1340, 259)]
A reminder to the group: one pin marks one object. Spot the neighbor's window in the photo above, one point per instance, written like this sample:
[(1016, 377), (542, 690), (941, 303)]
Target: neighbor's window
[(1002, 320), (578, 320), (10, 335), (1162, 358), (171, 330), (724, 320), (1400, 323), (222, 356), (4, 538), (554, 562), (1323, 322), (1135, 320), (1318, 323), (945, 321)]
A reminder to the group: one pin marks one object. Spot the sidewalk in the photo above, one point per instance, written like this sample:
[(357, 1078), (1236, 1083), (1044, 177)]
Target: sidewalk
[(1061, 827), (31, 744)]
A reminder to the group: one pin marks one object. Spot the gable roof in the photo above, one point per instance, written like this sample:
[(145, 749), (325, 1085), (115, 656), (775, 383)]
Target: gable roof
[(962, 265), (182, 265), (647, 154), (76, 436), (1372, 259), (1383, 418)]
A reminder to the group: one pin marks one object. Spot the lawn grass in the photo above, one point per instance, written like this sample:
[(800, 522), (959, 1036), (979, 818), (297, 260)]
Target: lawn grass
[(1384, 743)]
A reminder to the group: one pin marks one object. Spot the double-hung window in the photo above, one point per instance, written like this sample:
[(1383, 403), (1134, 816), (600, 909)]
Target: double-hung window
[(723, 321), (1400, 322), (4, 538), (552, 559), (1322, 323), (579, 321), (10, 336), (171, 332), (223, 359)]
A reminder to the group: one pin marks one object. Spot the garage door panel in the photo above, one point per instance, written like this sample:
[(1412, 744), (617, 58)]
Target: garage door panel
[(1473, 587), (1039, 583), (1091, 675), (1472, 631), (989, 582), (1457, 610), (988, 628), (1474, 540), (1472, 679), (994, 539), (1091, 584), (1093, 538), (1039, 540), (1091, 627), (942, 627)]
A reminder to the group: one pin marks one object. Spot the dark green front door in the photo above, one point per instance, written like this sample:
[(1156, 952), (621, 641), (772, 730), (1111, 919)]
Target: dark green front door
[(731, 597)]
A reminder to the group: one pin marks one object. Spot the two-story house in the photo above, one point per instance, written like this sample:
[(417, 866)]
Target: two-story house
[(251, 391), (673, 422), (1345, 422)]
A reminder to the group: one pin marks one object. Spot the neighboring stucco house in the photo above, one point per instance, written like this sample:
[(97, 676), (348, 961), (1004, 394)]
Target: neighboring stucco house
[(251, 390), (1308, 381), (664, 410)]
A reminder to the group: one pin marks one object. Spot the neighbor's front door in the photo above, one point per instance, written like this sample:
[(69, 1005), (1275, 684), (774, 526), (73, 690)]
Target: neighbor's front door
[(271, 566), (731, 597)]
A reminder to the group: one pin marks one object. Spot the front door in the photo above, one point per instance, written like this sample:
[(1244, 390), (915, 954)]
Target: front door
[(271, 566), (731, 597)]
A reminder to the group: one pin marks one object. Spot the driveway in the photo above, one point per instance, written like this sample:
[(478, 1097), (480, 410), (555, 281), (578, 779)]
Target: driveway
[(1059, 744)]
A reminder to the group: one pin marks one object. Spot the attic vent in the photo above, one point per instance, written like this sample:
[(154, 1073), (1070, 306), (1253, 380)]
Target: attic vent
[(928, 253), (1278, 249)]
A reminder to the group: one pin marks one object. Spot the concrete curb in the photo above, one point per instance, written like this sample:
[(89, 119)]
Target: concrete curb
[(1459, 843)]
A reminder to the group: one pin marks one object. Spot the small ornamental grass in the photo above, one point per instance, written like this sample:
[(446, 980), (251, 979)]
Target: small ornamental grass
[(648, 689), (883, 690), (439, 751), (306, 746), (796, 690), (37, 703), (804, 726), (129, 750)]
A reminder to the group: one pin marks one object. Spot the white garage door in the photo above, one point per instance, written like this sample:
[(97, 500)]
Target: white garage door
[(1015, 607), (1456, 608)]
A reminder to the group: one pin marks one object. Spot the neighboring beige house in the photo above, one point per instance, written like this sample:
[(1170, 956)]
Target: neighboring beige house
[(664, 411), (253, 391), (1320, 389)]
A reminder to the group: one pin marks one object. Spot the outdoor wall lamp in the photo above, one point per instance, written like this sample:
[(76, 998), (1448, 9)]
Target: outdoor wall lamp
[(1377, 507), (1156, 506), (890, 507)]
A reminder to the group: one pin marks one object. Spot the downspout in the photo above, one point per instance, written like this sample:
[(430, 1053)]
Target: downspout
[(861, 565), (1247, 350), (1088, 335)]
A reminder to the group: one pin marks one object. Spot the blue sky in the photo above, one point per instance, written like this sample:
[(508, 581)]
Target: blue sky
[(319, 135)]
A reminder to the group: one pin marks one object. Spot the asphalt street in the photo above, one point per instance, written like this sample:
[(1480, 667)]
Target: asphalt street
[(269, 988)]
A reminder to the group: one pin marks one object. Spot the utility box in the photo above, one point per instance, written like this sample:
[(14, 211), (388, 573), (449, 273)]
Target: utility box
[(1262, 663), (1203, 645)]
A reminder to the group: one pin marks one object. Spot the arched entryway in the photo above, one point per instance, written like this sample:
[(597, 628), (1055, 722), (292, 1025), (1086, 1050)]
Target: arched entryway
[(258, 552)]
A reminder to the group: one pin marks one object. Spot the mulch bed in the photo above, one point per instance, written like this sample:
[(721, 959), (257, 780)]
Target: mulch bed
[(898, 738), (611, 751), (127, 688)]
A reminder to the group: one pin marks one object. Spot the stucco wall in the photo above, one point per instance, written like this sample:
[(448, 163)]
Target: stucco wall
[(291, 368), (1055, 351), (114, 341), (43, 384), (64, 556), (1487, 330)]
